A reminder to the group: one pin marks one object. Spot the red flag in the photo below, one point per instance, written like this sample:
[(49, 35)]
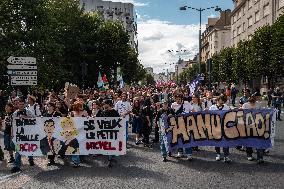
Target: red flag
[(105, 79)]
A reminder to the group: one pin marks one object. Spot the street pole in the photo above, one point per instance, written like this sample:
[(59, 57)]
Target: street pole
[(200, 10), (199, 62)]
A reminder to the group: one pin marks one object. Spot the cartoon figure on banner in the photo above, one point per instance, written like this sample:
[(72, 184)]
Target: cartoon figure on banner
[(69, 133), (50, 145)]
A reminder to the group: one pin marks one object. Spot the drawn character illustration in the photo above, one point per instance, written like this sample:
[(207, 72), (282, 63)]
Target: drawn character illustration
[(69, 133), (50, 145)]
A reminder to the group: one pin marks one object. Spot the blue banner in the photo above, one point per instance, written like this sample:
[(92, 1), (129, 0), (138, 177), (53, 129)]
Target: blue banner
[(249, 128)]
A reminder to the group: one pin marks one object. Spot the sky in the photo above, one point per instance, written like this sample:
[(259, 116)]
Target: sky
[(162, 27)]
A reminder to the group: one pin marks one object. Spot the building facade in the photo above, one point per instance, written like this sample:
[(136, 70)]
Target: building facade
[(123, 12), (217, 35), (249, 15)]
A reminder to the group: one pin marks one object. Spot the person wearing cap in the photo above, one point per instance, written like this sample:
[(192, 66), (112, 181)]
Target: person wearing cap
[(165, 110), (33, 106), (221, 100)]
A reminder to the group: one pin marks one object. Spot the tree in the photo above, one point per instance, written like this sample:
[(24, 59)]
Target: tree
[(277, 49)]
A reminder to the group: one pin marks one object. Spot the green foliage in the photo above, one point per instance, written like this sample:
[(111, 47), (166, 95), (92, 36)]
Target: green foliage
[(69, 45), (148, 80), (262, 56)]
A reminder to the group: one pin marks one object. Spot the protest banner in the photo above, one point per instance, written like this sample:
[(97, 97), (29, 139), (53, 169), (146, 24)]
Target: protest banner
[(68, 136), (250, 128)]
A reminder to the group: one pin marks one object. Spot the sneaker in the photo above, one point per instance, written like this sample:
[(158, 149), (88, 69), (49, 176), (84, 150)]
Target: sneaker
[(32, 163), (75, 165), (266, 152), (15, 170), (218, 157), (165, 159), (137, 142), (12, 160), (51, 163), (170, 154), (189, 157), (250, 158), (179, 155), (227, 160)]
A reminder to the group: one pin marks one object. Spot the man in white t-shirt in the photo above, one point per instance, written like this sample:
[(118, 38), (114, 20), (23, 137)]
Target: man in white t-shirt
[(182, 107), (33, 107), (123, 107), (221, 100)]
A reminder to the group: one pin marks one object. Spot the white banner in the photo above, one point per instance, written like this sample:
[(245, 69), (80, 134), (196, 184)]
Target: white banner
[(81, 136)]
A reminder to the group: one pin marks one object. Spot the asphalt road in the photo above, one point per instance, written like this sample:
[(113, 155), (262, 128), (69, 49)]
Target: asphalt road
[(143, 168)]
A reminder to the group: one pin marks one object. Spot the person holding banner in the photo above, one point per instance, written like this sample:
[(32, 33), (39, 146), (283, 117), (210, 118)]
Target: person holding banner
[(221, 100), (71, 144), (109, 112), (182, 107), (21, 112), (165, 110), (251, 104), (48, 127), (196, 106)]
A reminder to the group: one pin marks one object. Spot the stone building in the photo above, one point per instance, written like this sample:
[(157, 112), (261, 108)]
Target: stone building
[(216, 36), (123, 12)]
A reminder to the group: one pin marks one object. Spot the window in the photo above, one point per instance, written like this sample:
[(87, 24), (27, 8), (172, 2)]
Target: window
[(266, 10), (250, 21), (243, 11), (244, 27), (257, 16), (249, 4), (281, 4), (239, 30)]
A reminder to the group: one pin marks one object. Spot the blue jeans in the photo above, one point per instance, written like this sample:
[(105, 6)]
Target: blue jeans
[(9, 146), (18, 159), (188, 151), (75, 159), (163, 146)]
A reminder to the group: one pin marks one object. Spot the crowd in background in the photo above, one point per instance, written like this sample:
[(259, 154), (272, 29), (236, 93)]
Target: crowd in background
[(142, 107)]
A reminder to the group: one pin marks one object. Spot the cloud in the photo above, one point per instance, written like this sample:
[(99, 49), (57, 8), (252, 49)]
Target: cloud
[(135, 2), (156, 37)]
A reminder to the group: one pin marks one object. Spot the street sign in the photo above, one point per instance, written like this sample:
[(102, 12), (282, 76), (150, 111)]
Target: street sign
[(33, 82), (18, 72), (23, 78), (21, 60), (21, 67)]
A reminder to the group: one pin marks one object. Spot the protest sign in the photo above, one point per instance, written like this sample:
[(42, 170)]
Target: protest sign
[(71, 91), (68, 136), (250, 128)]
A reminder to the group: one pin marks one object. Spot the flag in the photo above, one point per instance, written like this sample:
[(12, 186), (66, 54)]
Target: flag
[(100, 81), (121, 84), (193, 85), (105, 82)]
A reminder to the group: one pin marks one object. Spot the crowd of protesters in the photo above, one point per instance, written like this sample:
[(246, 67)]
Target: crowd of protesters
[(142, 107)]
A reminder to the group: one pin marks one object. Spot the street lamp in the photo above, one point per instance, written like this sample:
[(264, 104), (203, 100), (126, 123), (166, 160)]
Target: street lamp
[(200, 10), (179, 60)]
